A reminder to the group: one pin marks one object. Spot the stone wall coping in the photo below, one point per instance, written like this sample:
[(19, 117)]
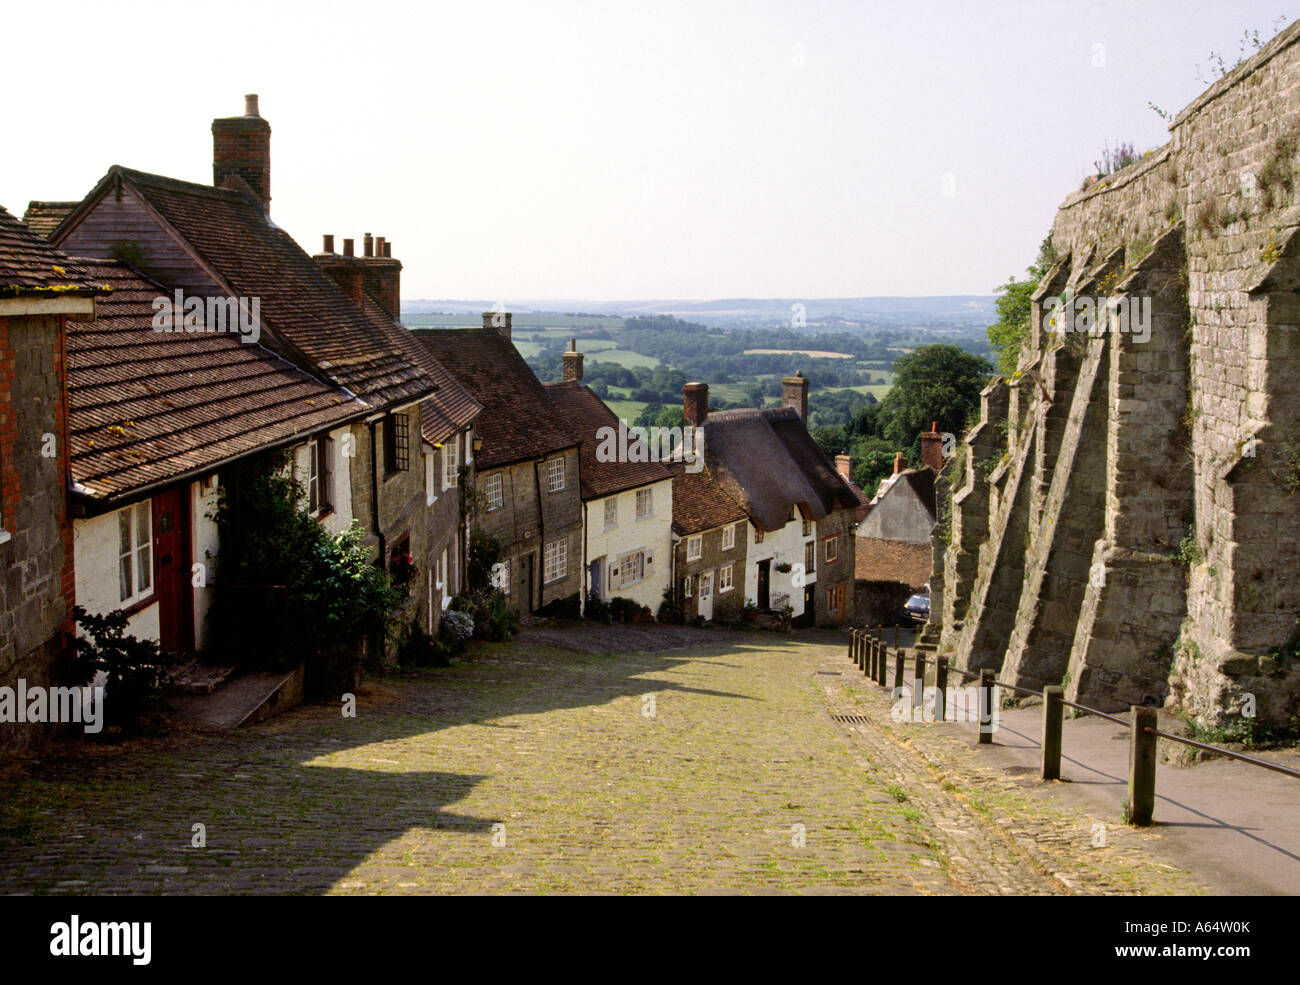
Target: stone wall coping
[(1275, 46)]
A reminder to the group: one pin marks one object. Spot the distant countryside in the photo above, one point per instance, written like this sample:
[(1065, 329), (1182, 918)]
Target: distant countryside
[(639, 354)]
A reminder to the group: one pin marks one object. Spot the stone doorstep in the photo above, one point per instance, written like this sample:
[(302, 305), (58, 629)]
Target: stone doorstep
[(242, 700), (197, 678)]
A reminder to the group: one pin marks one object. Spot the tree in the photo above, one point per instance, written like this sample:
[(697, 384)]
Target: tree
[(1007, 335), (935, 383)]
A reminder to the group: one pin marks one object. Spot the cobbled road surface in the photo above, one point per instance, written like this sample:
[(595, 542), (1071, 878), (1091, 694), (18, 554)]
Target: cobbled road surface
[(685, 761)]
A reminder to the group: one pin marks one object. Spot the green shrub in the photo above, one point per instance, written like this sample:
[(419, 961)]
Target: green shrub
[(135, 668), (289, 593), (596, 609), (419, 649)]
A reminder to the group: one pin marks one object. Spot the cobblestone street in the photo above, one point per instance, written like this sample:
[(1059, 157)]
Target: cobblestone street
[(540, 769)]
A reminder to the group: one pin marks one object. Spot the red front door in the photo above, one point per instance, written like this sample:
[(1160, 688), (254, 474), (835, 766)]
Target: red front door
[(171, 553)]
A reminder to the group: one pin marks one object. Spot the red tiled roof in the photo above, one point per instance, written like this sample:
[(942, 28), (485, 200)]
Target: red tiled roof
[(148, 406), (304, 313), (519, 421), (29, 266), (699, 502), (588, 413)]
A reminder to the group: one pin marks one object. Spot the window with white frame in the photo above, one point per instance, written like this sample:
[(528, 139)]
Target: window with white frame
[(320, 474), (451, 461), (728, 538), (493, 492), (611, 512), (810, 556), (758, 535), (555, 563), (645, 504), (807, 527), (694, 548), (832, 548), (627, 570), (555, 475), (135, 552), (724, 579), (430, 487)]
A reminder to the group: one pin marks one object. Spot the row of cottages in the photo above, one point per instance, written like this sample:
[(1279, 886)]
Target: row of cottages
[(527, 477), (798, 549), (379, 431)]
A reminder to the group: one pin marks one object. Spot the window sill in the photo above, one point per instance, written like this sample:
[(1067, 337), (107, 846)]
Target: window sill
[(139, 605), (5, 536)]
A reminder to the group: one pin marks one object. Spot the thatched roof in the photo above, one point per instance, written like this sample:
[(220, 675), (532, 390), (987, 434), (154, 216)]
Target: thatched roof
[(767, 461)]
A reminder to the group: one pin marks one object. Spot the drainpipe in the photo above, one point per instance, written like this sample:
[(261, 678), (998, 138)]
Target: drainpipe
[(374, 498), (582, 587), (540, 570)]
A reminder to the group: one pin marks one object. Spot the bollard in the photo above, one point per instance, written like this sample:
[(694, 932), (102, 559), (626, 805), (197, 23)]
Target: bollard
[(940, 689), (986, 707), (1142, 766), (1053, 718), (882, 664), (853, 642), (898, 673), (918, 681), (869, 657), (855, 649)]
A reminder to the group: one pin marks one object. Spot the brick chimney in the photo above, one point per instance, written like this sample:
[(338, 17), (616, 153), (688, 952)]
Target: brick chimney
[(328, 246), (932, 447), (844, 466), (695, 403), (900, 463), (794, 393), (499, 320), (355, 276), (241, 148), (573, 362)]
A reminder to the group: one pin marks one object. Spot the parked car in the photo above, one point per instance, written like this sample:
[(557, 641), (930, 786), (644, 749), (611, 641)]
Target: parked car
[(918, 606)]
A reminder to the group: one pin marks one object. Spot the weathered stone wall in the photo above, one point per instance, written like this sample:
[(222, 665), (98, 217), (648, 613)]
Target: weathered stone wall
[(1139, 538), (36, 571)]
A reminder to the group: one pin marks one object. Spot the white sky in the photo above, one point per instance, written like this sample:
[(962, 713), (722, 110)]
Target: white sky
[(553, 149)]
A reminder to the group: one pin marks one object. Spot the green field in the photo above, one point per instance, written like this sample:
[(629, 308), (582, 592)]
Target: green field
[(624, 357), (628, 410)]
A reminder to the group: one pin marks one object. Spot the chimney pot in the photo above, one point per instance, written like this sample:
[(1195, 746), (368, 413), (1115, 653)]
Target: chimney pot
[(348, 247), (379, 246), (900, 463), (388, 248), (250, 105), (329, 244), (368, 244), (695, 403)]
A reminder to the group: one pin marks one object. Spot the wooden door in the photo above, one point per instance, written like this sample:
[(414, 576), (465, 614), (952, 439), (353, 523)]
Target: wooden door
[(765, 584), (171, 562), (706, 595)]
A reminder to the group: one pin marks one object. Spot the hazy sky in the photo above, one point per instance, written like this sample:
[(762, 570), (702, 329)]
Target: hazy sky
[(607, 150)]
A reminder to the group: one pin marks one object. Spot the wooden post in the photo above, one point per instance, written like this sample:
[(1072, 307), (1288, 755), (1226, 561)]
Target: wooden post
[(941, 688), (882, 663), (918, 681), (853, 643), (1053, 719), (898, 670), (1142, 766), (986, 707)]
